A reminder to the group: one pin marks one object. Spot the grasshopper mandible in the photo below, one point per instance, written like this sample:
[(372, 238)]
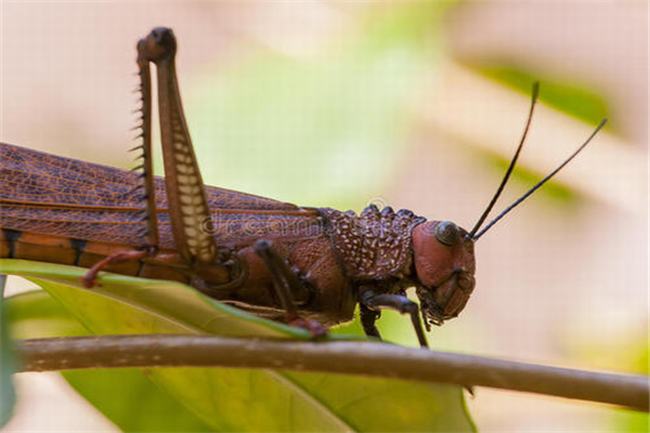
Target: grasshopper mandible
[(308, 267)]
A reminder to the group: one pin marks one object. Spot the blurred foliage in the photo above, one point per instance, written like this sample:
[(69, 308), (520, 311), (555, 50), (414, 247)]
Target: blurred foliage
[(325, 128), (638, 358), (563, 95), (523, 178), (629, 354), (7, 362), (321, 129), (570, 98)]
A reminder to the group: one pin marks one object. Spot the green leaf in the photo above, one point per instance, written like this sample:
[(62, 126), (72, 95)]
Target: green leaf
[(7, 363), (141, 407), (132, 402), (229, 399), (35, 314)]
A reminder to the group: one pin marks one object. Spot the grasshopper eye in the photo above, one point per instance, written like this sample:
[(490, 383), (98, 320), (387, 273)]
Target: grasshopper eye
[(447, 233)]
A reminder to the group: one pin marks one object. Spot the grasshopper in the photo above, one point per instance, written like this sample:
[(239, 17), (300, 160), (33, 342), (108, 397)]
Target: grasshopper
[(308, 267)]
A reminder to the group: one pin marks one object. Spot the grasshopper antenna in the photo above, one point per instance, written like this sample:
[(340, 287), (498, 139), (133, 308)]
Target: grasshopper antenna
[(540, 183), (535, 95)]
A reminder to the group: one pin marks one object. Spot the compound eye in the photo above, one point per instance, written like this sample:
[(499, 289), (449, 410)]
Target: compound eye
[(447, 233)]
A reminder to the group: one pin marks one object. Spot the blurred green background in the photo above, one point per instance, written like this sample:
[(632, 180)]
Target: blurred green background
[(409, 104)]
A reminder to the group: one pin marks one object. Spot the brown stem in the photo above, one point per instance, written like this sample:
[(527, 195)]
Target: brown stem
[(365, 358)]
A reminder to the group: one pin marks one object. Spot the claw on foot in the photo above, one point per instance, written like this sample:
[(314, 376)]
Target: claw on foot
[(315, 328)]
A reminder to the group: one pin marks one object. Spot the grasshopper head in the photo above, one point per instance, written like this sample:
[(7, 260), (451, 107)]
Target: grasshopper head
[(159, 44), (445, 266), (444, 253)]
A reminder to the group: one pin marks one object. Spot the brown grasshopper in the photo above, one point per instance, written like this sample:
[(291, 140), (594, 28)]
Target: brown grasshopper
[(308, 267)]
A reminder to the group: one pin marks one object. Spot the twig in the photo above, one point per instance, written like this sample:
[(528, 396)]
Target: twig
[(371, 359)]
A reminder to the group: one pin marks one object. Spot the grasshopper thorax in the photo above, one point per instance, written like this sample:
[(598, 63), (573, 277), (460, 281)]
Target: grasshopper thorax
[(443, 255)]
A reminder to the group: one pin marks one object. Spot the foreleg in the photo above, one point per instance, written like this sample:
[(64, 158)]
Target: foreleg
[(376, 301)]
